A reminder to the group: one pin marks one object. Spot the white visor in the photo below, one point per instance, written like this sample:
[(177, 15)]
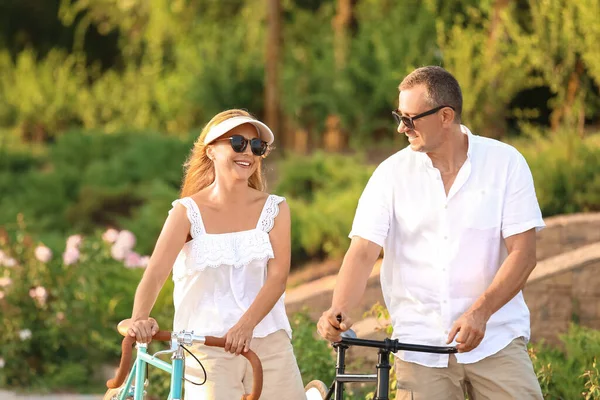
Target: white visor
[(222, 128)]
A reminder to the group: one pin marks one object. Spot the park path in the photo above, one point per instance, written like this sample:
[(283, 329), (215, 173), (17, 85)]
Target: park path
[(4, 395)]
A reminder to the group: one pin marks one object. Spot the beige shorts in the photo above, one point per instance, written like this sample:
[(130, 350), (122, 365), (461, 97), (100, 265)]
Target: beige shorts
[(230, 376), (506, 375)]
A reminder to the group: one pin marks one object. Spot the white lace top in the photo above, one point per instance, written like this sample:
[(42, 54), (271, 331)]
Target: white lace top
[(217, 276)]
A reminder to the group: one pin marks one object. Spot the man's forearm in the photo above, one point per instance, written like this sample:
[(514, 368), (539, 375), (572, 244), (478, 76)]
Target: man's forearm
[(354, 274), (509, 280)]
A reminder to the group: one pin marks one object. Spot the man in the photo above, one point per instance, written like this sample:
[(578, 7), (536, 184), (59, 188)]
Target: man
[(456, 215)]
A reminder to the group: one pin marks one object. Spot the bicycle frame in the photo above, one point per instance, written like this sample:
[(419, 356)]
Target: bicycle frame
[(175, 368), (139, 373), (382, 378)]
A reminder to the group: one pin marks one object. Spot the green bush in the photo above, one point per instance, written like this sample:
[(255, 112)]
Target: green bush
[(570, 371), (565, 170), (41, 95), (314, 355), (323, 191), (90, 180), (59, 313)]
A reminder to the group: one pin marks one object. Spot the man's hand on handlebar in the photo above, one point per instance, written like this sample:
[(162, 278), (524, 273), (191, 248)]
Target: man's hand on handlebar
[(332, 323)]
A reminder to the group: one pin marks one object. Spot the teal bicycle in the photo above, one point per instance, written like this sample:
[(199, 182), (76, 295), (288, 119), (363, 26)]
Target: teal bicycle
[(178, 342)]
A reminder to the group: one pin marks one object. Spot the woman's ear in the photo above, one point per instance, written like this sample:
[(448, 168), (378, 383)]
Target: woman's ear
[(209, 153)]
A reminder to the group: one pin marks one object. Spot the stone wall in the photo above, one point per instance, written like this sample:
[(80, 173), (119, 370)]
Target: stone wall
[(567, 232), (564, 289)]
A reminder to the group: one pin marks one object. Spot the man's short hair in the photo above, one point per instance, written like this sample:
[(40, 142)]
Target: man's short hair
[(442, 88)]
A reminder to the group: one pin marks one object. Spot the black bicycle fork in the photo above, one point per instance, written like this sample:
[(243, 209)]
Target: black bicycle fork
[(382, 377)]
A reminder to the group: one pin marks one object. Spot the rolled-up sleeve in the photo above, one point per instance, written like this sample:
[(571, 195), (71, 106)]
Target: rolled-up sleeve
[(521, 211), (373, 213)]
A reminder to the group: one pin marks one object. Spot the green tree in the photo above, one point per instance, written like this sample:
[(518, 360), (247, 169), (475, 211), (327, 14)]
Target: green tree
[(561, 43), (490, 69)]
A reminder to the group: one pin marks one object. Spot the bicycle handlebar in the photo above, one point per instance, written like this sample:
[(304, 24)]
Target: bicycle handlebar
[(349, 338), (393, 345), (126, 351)]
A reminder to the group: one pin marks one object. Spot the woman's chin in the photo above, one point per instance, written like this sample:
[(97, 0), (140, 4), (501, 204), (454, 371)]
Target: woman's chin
[(242, 175)]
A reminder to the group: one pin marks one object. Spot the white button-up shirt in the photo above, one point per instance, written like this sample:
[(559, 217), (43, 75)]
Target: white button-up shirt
[(441, 252)]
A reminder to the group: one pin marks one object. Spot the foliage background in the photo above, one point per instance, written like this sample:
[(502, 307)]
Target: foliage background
[(101, 100)]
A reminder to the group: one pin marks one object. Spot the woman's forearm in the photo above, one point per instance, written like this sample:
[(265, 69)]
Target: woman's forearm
[(145, 297), (265, 300)]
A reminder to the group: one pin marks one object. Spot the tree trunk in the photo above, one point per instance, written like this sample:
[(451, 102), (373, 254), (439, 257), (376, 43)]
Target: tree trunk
[(272, 100), (341, 28), (334, 138), (494, 112), (567, 112)]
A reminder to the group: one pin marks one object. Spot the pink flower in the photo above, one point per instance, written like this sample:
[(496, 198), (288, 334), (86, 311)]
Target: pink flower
[(118, 252), (126, 239), (43, 254), (9, 262), (73, 241), (71, 255), (4, 282), (110, 235), (1, 294), (144, 261), (132, 260), (25, 334), (39, 293)]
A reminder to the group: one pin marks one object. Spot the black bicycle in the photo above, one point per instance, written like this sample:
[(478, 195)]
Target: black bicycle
[(317, 390)]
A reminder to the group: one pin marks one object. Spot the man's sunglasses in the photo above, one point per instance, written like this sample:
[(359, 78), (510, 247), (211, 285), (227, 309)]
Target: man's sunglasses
[(409, 121), (239, 144)]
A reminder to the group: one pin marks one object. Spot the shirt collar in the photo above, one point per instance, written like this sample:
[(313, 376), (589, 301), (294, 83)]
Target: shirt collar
[(427, 161), (467, 132)]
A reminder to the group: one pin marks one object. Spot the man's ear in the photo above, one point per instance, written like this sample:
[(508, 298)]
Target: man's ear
[(448, 115)]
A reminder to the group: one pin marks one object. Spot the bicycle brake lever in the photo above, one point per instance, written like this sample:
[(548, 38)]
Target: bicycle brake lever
[(168, 351), (349, 334)]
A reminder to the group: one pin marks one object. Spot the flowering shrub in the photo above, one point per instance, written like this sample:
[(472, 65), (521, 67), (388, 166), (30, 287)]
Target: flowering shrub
[(59, 309)]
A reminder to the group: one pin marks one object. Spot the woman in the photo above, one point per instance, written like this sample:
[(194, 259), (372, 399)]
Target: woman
[(231, 241)]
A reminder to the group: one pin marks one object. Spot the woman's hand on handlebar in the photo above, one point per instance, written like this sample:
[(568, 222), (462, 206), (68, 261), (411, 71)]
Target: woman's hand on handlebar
[(239, 337), (332, 323), (143, 330)]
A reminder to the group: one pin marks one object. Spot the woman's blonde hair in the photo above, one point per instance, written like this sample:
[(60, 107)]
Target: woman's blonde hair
[(200, 170)]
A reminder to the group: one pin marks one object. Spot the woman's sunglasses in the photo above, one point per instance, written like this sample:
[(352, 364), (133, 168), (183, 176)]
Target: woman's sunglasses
[(239, 143), (409, 121)]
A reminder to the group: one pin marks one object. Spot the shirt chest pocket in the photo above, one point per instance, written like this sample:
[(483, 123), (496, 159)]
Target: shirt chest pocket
[(481, 209)]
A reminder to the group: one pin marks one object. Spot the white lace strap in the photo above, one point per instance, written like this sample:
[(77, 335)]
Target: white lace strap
[(269, 212), (193, 214)]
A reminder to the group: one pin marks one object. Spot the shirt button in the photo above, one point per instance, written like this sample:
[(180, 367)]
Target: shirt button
[(445, 237)]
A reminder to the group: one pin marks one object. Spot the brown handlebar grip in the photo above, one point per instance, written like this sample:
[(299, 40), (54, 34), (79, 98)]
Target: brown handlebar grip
[(126, 346), (126, 351), (121, 373), (257, 371)]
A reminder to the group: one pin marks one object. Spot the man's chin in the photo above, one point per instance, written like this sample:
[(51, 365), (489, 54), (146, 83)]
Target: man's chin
[(418, 147)]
